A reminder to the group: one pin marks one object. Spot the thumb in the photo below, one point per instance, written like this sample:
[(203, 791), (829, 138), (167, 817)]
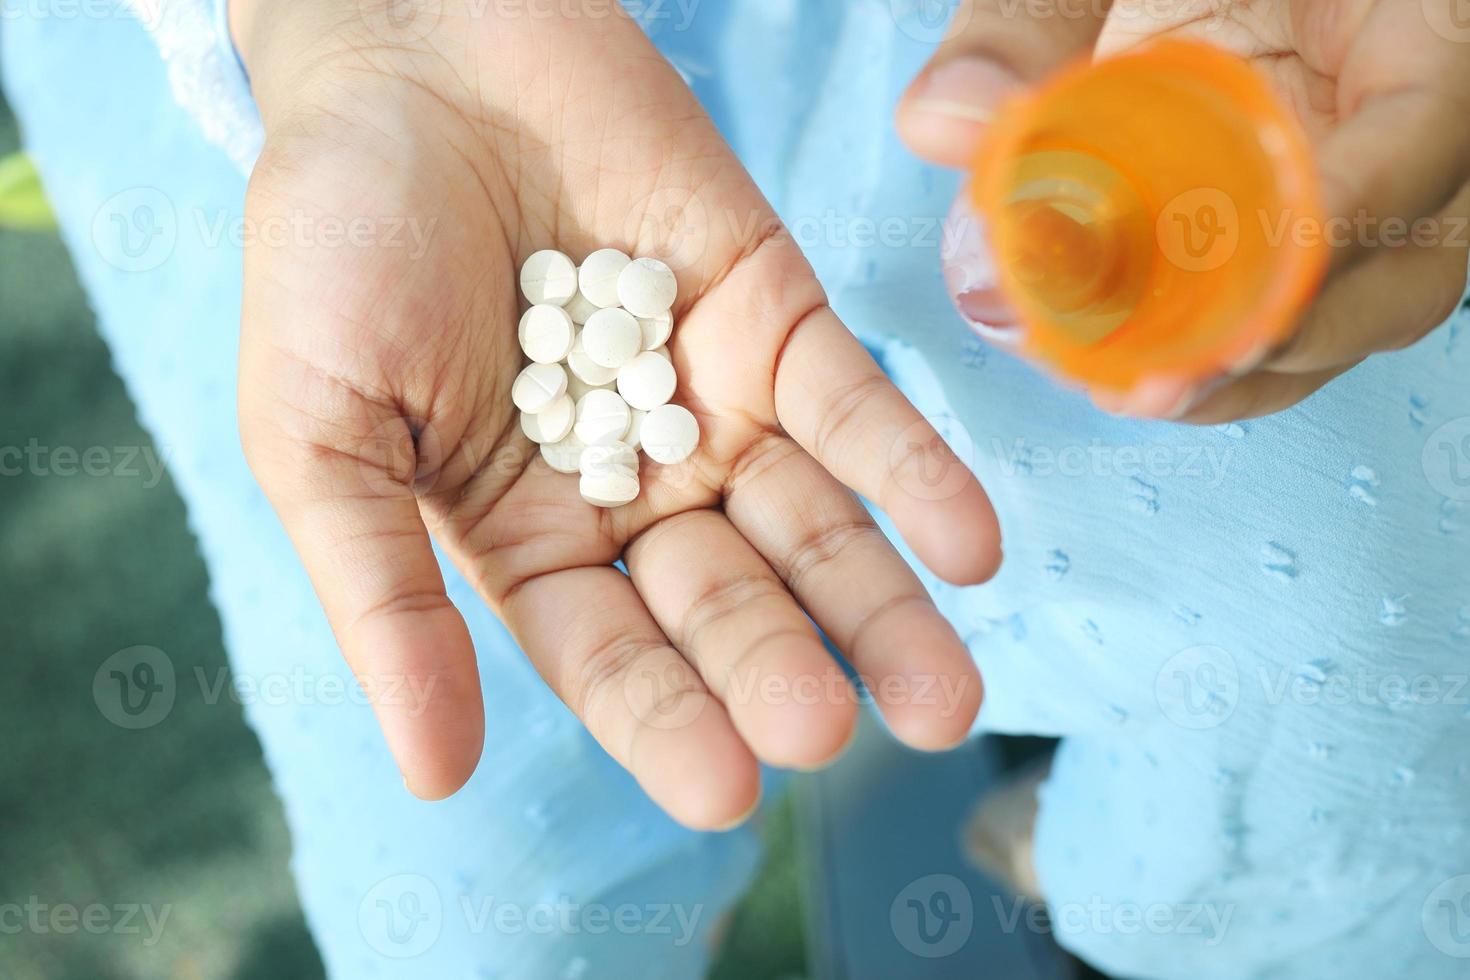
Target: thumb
[(994, 48)]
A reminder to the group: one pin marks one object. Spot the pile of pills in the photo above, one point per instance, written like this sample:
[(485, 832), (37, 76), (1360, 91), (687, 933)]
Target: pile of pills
[(598, 386)]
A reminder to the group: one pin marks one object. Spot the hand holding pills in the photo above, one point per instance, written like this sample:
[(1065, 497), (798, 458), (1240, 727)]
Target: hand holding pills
[(612, 348), (485, 393)]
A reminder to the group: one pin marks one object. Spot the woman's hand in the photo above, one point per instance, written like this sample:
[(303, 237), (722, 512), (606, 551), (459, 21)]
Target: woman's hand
[(1382, 88), (375, 408)]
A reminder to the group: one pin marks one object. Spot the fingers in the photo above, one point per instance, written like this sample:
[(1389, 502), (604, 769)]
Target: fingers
[(1400, 148), (835, 560), (1262, 393), (1388, 301), (353, 517), (732, 618), (591, 637), (840, 407), (995, 48)]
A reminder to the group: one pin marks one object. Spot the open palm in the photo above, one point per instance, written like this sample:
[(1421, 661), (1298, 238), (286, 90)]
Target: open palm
[(375, 409)]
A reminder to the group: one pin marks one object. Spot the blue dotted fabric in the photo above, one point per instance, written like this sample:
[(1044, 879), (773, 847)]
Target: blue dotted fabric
[(1253, 639)]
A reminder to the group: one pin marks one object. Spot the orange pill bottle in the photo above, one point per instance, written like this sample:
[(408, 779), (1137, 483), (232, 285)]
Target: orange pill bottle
[(1156, 212)]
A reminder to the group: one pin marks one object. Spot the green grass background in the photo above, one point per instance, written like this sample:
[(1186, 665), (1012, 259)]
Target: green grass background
[(181, 815)]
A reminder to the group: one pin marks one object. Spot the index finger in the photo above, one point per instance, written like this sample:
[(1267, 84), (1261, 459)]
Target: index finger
[(839, 406)]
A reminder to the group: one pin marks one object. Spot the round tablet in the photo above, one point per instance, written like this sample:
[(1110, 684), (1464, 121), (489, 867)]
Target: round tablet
[(656, 329), (538, 386), (552, 423), (580, 308), (647, 381), (635, 428), (670, 433), (609, 489), (608, 458), (602, 417), (548, 277), (647, 287), (587, 369), (547, 333), (564, 456), (576, 387), (612, 337), (598, 277)]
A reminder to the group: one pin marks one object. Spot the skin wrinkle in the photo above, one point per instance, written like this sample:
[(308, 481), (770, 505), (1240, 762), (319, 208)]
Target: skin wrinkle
[(725, 598), (609, 660), (885, 608), (762, 455), (411, 602), (839, 413)]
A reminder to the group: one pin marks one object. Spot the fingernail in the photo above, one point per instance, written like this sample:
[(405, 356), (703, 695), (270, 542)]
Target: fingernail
[(1160, 398), (965, 88), (969, 274), (1251, 360), (740, 820), (1110, 401), (1186, 401)]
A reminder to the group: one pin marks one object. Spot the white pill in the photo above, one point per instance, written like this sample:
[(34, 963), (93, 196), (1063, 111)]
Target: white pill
[(609, 489), (609, 458), (664, 353), (552, 423), (548, 277), (647, 287), (547, 333), (538, 386), (635, 429), (602, 417), (656, 329), (669, 434), (576, 387), (598, 277), (587, 369), (612, 337), (647, 381), (564, 456), (580, 308)]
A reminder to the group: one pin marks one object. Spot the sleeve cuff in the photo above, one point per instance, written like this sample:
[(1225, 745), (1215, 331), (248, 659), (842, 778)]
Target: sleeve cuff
[(205, 72)]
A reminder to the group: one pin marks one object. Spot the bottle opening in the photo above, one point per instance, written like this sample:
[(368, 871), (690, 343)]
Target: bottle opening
[(1139, 212)]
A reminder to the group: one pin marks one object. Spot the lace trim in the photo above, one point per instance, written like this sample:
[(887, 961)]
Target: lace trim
[(205, 72)]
